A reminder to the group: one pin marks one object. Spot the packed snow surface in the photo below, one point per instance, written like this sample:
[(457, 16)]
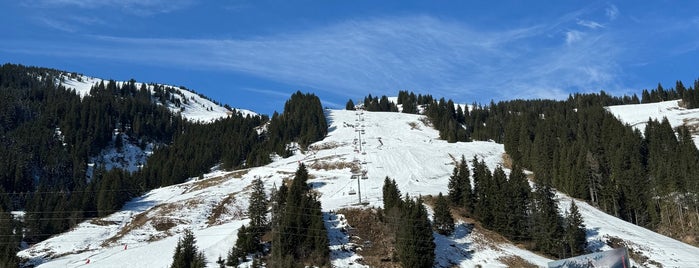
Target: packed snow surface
[(144, 233), (637, 115)]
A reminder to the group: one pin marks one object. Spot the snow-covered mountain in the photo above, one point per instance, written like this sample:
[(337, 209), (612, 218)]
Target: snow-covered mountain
[(193, 106), (132, 155), (402, 146)]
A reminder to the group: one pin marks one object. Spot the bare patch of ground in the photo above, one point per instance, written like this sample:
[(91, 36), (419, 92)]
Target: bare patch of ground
[(516, 261), (227, 206), (373, 238)]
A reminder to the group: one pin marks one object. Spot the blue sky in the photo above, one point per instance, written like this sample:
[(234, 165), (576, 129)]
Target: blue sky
[(254, 54)]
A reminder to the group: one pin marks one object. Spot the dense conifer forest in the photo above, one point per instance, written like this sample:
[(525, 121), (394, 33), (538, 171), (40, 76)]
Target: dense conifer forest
[(48, 134), (649, 177)]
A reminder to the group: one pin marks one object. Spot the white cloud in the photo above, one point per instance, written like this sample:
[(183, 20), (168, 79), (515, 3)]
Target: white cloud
[(612, 12), (71, 24), (590, 24), (573, 36), (137, 7), (268, 92), (380, 56)]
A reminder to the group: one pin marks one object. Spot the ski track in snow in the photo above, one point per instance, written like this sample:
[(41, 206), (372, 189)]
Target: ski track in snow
[(412, 155)]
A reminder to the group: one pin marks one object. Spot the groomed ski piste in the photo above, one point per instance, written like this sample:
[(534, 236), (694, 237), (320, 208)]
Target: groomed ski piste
[(145, 232)]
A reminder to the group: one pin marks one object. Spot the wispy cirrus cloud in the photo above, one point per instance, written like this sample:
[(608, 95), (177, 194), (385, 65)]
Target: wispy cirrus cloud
[(612, 12), (590, 24), (573, 36), (71, 24), (137, 7), (383, 55), (268, 92)]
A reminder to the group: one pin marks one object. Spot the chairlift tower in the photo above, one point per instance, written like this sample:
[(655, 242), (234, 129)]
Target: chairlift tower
[(361, 173)]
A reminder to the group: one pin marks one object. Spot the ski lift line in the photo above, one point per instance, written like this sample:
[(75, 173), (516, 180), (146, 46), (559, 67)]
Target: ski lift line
[(341, 188)]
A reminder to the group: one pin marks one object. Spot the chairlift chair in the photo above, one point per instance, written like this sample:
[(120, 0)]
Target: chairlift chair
[(351, 192)]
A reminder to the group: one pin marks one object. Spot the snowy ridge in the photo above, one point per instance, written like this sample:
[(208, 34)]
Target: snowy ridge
[(398, 145), (193, 107), (637, 115)]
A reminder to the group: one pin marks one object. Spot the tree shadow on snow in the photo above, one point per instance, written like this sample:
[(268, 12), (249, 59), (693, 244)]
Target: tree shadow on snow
[(452, 250), (329, 120), (316, 184), (596, 244), (139, 204)]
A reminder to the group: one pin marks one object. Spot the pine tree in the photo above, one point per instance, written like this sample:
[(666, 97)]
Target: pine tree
[(221, 262), (575, 236), (443, 222), (467, 200), (518, 202), (350, 105), (186, 253), (10, 237), (414, 241), (483, 186), (547, 228), (455, 188), (244, 244), (498, 199), (257, 211), (391, 194), (299, 235)]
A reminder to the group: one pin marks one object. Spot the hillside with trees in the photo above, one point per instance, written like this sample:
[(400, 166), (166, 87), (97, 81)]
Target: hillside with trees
[(49, 133), (649, 177)]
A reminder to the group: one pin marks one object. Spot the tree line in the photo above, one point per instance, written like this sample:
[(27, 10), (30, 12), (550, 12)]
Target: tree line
[(647, 177), (507, 205), (49, 133)]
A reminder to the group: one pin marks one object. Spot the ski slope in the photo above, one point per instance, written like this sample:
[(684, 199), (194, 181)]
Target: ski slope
[(637, 115), (397, 145), (196, 108)]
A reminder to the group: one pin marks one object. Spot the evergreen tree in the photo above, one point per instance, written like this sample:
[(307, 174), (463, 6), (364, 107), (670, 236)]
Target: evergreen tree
[(391, 194), (187, 255), (221, 262), (547, 228), (278, 204), (10, 237), (300, 235), (498, 195), (483, 191), (442, 219), (467, 199), (257, 210), (575, 236), (350, 105), (518, 202), (414, 241), (455, 187)]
